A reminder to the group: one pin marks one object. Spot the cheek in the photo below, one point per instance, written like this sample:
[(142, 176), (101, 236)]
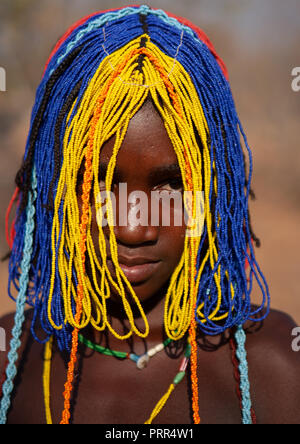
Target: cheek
[(169, 248), (170, 240), (172, 243), (173, 236)]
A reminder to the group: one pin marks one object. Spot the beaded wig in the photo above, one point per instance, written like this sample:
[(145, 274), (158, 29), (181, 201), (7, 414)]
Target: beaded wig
[(98, 76)]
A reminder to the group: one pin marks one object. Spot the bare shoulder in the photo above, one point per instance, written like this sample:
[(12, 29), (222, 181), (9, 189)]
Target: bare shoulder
[(274, 363), (274, 333)]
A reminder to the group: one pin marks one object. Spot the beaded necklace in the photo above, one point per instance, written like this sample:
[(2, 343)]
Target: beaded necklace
[(143, 362), (239, 360), (140, 360)]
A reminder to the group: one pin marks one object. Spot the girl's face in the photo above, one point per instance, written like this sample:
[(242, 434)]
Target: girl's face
[(146, 162)]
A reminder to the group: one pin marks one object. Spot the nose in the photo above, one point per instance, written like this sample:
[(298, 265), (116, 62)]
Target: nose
[(133, 220)]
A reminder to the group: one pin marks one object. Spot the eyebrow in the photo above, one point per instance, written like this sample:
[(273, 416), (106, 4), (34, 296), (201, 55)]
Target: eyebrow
[(156, 173), (165, 171), (103, 166)]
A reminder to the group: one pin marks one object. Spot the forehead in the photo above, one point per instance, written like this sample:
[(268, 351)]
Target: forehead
[(145, 146)]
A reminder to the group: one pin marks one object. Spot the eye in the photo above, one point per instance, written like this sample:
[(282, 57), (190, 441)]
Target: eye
[(174, 184), (102, 185)]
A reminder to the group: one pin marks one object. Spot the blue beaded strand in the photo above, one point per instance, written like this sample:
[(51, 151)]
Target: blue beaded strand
[(226, 155), (15, 342), (241, 354)]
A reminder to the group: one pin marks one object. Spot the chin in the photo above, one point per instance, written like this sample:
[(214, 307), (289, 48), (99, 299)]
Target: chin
[(148, 290), (144, 291)]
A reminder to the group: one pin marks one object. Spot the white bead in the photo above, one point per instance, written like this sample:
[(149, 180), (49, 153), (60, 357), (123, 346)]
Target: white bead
[(159, 347), (142, 362), (151, 352)]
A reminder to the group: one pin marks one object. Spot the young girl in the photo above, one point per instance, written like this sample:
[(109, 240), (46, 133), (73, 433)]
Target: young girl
[(133, 321)]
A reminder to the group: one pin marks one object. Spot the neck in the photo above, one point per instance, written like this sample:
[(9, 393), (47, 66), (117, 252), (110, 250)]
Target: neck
[(154, 311)]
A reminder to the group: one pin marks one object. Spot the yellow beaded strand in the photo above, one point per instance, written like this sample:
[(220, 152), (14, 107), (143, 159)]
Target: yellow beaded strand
[(46, 378), (123, 99)]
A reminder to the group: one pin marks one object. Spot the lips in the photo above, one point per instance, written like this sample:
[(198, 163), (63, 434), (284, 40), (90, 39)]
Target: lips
[(136, 269)]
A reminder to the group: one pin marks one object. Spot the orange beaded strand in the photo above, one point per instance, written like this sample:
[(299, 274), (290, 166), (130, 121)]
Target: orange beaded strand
[(86, 187), (87, 183)]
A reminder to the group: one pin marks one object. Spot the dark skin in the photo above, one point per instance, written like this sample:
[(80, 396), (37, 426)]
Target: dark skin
[(111, 391), (156, 163)]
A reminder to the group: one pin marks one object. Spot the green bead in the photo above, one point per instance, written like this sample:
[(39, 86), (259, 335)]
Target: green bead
[(100, 349), (178, 378), (187, 352)]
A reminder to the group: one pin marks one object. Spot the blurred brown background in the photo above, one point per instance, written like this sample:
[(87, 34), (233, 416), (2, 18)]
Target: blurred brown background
[(260, 43)]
